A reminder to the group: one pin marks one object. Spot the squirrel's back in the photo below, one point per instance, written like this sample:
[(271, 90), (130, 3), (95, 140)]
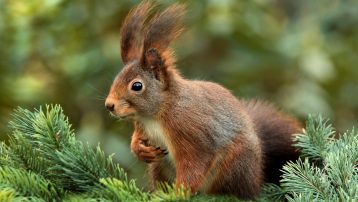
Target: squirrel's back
[(276, 130)]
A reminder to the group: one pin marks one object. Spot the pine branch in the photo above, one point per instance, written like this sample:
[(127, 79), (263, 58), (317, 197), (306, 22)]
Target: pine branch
[(302, 177), (336, 178), (83, 197), (167, 192), (342, 166), (5, 156), (80, 167), (47, 130), (272, 192), (300, 197), (44, 143), (27, 184), (315, 139), (7, 194), (26, 156), (120, 190), (44, 161)]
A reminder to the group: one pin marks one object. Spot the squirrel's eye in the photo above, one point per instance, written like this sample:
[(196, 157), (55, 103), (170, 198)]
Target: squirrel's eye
[(137, 86)]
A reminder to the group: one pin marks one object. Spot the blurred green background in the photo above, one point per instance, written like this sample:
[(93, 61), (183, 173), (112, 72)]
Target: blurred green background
[(300, 55)]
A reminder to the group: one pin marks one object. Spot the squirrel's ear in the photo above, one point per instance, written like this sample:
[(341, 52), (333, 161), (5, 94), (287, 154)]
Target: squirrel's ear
[(162, 30), (131, 31), (152, 59)]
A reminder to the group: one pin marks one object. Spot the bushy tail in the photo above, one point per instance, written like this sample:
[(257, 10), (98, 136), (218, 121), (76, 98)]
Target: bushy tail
[(276, 131)]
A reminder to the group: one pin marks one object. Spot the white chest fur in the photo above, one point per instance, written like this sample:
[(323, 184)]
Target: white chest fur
[(157, 137), (155, 133)]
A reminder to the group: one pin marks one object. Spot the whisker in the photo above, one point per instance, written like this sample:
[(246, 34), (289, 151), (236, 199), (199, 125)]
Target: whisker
[(99, 98), (100, 95)]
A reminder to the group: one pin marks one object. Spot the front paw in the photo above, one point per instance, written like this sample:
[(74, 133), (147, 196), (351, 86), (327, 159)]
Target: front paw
[(148, 153)]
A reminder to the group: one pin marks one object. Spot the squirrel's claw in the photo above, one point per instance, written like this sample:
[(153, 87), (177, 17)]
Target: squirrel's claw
[(148, 153)]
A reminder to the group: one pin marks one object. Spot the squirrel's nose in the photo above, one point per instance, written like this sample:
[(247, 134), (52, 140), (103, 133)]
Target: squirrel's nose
[(109, 106)]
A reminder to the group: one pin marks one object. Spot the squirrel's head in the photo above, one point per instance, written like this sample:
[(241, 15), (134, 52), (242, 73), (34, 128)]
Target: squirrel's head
[(141, 86)]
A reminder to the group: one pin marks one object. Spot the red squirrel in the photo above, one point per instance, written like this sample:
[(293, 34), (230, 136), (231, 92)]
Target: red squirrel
[(193, 133)]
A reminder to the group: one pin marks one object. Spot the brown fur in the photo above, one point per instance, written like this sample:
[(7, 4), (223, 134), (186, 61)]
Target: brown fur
[(275, 129), (194, 133), (131, 32)]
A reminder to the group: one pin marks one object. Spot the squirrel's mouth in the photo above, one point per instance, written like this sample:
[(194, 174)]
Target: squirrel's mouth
[(121, 117)]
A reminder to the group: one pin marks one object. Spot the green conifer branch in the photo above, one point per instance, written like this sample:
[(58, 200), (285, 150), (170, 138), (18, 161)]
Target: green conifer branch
[(335, 176), (28, 184), (44, 162), (7, 194), (315, 139), (302, 177)]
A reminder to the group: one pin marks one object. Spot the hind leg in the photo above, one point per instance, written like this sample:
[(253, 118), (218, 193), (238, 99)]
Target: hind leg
[(160, 172), (239, 171)]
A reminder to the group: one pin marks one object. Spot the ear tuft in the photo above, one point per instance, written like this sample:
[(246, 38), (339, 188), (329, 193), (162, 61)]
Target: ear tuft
[(131, 31), (161, 31), (153, 59)]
